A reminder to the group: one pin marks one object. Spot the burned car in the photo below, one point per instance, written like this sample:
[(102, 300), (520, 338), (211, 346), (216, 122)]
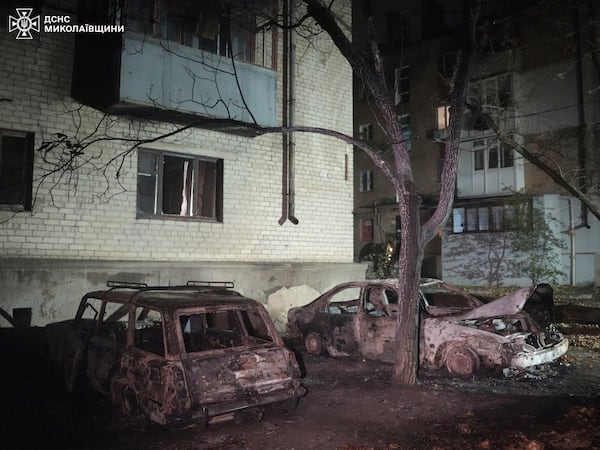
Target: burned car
[(176, 353), (458, 332)]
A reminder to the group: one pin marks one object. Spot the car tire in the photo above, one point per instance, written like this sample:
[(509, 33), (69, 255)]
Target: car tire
[(461, 361), (313, 343)]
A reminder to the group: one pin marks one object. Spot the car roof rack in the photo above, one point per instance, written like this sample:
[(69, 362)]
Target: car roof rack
[(222, 284), (125, 284)]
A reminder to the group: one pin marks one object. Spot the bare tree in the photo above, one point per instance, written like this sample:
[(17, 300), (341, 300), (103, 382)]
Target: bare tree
[(67, 155)]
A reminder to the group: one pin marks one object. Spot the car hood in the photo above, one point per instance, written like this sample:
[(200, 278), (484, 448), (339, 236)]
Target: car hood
[(508, 305)]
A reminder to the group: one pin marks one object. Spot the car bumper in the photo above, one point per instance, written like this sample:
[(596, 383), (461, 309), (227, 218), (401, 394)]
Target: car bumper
[(527, 359)]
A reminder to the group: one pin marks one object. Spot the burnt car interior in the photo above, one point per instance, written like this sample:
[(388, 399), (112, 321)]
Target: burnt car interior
[(223, 329)]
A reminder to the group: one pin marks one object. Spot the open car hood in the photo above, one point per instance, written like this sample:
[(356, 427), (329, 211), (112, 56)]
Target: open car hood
[(504, 306)]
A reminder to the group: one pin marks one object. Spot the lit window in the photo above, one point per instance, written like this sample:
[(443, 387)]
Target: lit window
[(172, 185), (16, 170), (443, 117)]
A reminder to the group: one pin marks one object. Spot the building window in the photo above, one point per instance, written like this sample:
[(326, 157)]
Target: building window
[(366, 181), (197, 24), (492, 94), (16, 170), (174, 185), (497, 154), (365, 132), (446, 65), (402, 85), (443, 117), (366, 230), (477, 218), (404, 120)]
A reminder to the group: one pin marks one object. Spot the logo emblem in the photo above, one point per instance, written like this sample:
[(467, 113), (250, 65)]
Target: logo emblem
[(24, 23)]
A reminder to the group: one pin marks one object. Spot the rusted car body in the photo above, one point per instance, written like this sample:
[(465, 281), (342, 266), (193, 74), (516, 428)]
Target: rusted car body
[(458, 332), (176, 353)]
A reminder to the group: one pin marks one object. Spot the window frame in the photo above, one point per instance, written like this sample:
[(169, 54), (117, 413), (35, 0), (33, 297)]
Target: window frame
[(171, 21), (26, 178), (365, 182), (483, 217), (402, 84), (159, 175)]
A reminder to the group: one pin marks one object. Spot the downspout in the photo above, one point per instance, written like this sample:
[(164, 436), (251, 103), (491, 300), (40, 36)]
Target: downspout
[(571, 232), (291, 119), (285, 168), (581, 149), (287, 120)]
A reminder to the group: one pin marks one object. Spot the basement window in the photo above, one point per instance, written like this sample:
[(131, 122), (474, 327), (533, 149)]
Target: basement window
[(176, 186), (16, 170)]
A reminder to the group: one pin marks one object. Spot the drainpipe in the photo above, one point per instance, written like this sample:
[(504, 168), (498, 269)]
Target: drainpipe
[(572, 239), (285, 170), (581, 148), (288, 105), (291, 119)]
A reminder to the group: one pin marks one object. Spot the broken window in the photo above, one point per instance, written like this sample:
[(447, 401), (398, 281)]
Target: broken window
[(172, 185), (149, 335), (16, 170), (223, 329), (345, 301), (213, 27)]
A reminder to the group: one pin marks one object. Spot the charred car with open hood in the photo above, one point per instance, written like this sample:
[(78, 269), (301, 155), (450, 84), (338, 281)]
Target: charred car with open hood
[(458, 332), (176, 353)]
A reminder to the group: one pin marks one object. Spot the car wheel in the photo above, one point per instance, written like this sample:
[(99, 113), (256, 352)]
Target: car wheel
[(313, 343), (462, 361)]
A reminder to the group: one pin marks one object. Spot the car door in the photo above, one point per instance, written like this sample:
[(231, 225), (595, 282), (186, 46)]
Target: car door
[(339, 319), (148, 381), (377, 323), (106, 345)]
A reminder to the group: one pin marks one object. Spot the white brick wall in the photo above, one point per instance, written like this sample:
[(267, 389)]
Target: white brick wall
[(88, 218)]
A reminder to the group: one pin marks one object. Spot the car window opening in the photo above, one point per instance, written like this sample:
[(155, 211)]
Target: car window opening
[(224, 329)]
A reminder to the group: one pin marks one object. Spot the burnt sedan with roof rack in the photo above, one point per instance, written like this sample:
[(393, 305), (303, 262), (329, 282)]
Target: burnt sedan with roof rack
[(458, 332), (176, 353)]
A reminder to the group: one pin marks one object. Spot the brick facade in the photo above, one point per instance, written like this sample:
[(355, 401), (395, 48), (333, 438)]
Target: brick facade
[(90, 215)]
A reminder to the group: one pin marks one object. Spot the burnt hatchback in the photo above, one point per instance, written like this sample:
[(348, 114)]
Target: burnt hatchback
[(458, 332), (176, 353)]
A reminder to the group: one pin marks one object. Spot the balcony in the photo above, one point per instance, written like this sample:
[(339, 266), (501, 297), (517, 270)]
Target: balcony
[(162, 80)]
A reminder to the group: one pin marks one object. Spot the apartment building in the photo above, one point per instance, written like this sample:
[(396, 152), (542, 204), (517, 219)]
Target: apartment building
[(533, 83), (117, 165)]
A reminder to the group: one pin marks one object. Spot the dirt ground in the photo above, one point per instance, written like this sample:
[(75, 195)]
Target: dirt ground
[(350, 405)]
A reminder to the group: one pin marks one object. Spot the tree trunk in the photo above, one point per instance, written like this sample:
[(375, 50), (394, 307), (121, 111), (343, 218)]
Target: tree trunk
[(410, 259)]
